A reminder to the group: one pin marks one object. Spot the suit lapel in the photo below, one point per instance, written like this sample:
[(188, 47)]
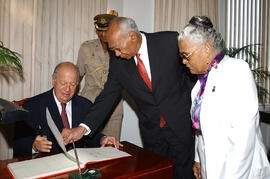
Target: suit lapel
[(53, 109), (75, 112), (132, 70), (152, 55)]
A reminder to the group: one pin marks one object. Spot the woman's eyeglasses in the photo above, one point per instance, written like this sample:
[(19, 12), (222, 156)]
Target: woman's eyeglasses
[(185, 55)]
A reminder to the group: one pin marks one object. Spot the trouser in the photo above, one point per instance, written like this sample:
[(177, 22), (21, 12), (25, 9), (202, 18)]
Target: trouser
[(170, 146)]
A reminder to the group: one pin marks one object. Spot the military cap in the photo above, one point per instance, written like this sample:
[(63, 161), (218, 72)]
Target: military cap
[(102, 21)]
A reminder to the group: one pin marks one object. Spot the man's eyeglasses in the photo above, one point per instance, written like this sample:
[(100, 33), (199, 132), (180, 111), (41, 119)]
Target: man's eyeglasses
[(188, 55)]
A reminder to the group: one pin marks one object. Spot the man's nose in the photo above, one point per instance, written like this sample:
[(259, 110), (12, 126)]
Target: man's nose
[(67, 88), (117, 53), (184, 61)]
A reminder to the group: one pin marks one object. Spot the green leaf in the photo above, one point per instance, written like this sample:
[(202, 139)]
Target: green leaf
[(10, 57)]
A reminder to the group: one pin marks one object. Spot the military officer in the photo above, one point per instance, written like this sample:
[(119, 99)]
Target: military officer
[(93, 63)]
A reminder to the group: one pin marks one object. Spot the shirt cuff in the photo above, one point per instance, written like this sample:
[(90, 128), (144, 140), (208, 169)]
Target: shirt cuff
[(34, 152), (86, 127)]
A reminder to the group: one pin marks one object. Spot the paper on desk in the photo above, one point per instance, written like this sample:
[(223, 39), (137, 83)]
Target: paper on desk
[(57, 134)]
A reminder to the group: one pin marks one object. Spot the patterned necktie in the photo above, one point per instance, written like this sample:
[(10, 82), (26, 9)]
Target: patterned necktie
[(64, 116), (146, 79)]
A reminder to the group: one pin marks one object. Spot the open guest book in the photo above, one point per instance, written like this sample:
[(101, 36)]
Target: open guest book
[(63, 162)]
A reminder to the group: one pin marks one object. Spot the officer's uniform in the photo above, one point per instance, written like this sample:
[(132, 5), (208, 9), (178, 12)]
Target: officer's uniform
[(94, 64)]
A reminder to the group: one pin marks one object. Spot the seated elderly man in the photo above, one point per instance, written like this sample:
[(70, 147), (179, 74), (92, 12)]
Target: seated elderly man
[(67, 110)]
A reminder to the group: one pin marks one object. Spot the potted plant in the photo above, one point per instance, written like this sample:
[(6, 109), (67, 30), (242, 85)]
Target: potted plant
[(10, 58)]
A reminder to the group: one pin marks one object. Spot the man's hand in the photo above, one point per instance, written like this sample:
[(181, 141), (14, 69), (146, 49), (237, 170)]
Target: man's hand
[(197, 170), (110, 140), (41, 144), (73, 134)]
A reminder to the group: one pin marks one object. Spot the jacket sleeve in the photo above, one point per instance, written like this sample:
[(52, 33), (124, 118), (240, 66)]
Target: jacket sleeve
[(196, 155), (82, 58), (94, 140), (24, 136), (105, 101)]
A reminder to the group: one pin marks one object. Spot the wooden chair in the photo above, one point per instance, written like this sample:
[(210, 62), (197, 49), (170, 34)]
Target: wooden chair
[(20, 102)]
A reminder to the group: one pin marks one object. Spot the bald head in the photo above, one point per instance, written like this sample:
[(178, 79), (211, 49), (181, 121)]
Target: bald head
[(124, 25), (124, 37), (66, 66), (65, 79)]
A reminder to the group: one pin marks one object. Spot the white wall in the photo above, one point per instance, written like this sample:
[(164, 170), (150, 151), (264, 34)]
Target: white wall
[(142, 11)]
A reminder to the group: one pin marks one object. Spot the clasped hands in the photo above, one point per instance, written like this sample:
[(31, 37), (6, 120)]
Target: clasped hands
[(41, 144)]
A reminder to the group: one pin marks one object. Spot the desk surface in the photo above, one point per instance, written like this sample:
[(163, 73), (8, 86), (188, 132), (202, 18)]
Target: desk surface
[(142, 164)]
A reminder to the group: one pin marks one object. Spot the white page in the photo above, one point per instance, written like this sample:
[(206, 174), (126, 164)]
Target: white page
[(41, 167), (87, 155), (57, 134), (55, 131)]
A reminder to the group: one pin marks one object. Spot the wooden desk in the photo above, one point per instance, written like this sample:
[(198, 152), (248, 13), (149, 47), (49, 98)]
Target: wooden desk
[(142, 164)]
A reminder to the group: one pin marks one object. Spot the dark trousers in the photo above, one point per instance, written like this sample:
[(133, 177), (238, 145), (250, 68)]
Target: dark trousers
[(170, 146)]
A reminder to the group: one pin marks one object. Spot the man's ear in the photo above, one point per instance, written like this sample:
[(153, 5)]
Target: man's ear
[(53, 80), (132, 35)]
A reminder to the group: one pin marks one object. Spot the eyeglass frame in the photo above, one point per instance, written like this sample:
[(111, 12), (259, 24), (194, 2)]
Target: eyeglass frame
[(183, 56)]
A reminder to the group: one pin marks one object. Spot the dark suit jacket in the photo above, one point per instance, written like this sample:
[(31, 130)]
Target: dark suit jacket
[(25, 133), (170, 96)]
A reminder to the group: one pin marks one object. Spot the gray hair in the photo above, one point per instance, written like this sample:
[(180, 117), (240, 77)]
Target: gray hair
[(56, 69), (126, 25), (200, 28)]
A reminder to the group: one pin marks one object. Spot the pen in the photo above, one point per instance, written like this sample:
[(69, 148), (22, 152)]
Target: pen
[(77, 159)]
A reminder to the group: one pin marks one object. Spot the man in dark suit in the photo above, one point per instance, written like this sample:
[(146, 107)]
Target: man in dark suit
[(149, 68), (36, 136)]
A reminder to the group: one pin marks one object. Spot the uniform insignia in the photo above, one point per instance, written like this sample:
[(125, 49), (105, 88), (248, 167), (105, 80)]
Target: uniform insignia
[(103, 21)]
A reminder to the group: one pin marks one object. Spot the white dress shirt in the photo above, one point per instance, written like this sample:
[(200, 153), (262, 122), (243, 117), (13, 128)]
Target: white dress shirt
[(68, 109), (69, 113), (144, 56)]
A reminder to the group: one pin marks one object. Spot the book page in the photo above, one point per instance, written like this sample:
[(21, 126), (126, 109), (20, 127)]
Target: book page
[(57, 135), (60, 163), (55, 131), (41, 167), (88, 155)]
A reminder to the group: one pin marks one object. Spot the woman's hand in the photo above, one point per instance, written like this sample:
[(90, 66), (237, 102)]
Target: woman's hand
[(197, 170)]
